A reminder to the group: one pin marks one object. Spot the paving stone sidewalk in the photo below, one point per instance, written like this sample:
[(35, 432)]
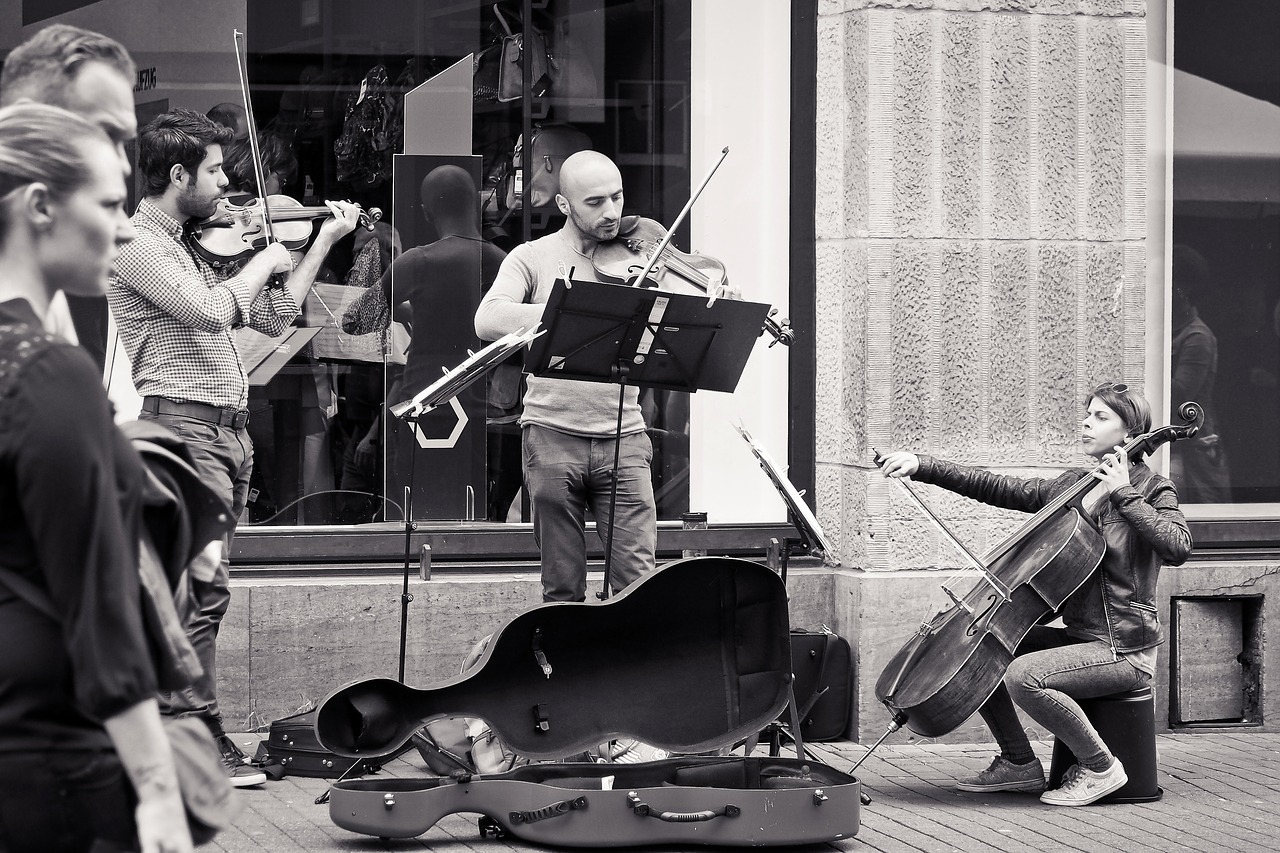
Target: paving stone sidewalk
[(1221, 793)]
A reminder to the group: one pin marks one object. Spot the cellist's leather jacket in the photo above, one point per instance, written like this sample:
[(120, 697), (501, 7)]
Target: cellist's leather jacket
[(1143, 528)]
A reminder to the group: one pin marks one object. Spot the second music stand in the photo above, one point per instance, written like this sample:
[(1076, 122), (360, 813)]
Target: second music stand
[(642, 337), (451, 384)]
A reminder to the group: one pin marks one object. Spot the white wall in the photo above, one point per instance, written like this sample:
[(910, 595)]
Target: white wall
[(741, 98)]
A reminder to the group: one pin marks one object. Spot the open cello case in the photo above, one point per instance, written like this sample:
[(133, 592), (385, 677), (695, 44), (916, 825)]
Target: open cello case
[(692, 658)]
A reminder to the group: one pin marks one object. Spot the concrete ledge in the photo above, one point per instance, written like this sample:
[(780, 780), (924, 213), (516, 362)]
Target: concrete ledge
[(286, 644)]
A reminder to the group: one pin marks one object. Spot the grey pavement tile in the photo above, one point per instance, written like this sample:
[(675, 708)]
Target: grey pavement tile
[(1221, 793)]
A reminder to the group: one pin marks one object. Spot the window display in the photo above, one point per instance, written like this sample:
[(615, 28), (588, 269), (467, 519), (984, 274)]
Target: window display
[(396, 305)]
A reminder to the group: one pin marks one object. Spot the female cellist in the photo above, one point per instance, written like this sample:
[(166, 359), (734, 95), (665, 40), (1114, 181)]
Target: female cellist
[(1111, 633)]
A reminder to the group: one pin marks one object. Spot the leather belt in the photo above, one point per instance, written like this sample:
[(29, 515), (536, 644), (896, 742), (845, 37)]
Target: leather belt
[(236, 418)]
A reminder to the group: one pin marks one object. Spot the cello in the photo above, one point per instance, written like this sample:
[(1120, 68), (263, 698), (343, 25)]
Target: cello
[(955, 661)]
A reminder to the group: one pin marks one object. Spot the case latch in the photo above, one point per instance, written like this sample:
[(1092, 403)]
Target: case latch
[(538, 654), (541, 721)]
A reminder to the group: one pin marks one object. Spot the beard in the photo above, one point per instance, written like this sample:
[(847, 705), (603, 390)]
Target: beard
[(596, 230), (193, 204)]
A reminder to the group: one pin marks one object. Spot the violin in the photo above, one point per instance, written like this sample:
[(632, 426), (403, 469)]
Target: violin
[(955, 661), (235, 232), (623, 259)]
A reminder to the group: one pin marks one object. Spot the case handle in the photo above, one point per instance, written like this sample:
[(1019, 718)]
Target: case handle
[(642, 809), (554, 810)]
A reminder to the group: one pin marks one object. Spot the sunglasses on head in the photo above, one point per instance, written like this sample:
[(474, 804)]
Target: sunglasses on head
[(1118, 387)]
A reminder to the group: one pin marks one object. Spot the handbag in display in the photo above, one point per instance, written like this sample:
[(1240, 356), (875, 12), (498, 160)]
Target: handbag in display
[(549, 146), (514, 54), (363, 153), (569, 66), (692, 658)]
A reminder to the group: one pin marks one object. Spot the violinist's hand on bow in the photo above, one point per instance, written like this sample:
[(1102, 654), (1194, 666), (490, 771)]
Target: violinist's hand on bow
[(1113, 471), (280, 258), (345, 218), (899, 464)]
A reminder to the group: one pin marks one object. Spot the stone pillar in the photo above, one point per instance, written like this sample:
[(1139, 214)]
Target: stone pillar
[(981, 227)]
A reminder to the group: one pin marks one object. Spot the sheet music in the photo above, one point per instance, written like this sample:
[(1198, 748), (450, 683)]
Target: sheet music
[(802, 516), (455, 381)]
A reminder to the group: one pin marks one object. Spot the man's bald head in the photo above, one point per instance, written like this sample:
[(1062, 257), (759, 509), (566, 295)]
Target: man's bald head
[(448, 188), (590, 196), (585, 168)]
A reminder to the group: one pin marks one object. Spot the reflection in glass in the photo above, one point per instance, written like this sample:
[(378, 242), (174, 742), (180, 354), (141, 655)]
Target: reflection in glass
[(434, 288), (1197, 466)]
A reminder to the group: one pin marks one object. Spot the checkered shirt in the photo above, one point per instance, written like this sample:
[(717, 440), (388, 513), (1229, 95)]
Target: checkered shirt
[(178, 315)]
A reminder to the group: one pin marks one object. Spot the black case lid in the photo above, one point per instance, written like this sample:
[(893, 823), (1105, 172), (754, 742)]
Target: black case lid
[(694, 656)]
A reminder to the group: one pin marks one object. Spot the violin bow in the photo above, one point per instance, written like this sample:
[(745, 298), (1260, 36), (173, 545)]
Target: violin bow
[(252, 125), (671, 232)]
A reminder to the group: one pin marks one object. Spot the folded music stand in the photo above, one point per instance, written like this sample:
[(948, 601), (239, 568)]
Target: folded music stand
[(643, 337), (811, 539)]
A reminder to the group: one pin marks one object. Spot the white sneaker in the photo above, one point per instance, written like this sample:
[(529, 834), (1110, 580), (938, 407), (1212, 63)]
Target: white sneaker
[(1082, 786)]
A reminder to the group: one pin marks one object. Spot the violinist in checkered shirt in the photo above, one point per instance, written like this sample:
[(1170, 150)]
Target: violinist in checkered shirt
[(178, 316)]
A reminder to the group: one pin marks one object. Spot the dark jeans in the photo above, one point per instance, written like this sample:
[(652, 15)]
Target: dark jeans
[(1050, 670), (566, 474), (223, 458), (65, 802)]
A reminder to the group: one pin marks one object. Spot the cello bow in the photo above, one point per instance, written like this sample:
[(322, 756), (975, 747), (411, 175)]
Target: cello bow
[(951, 537)]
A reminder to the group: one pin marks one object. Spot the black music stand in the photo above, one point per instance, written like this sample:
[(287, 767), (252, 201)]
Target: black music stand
[(643, 337)]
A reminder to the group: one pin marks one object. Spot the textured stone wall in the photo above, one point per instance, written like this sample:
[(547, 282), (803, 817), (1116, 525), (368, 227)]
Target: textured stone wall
[(981, 252), (981, 264)]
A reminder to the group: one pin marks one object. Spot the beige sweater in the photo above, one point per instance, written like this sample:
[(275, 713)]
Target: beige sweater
[(515, 302)]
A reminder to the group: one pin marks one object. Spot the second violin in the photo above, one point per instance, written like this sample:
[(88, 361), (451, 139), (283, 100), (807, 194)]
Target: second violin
[(236, 231)]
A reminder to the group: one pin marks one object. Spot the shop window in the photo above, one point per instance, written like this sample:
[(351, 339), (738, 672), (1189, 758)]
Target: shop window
[(1225, 278), (614, 75)]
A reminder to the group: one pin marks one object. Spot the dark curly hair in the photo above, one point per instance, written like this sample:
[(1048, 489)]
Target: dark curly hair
[(179, 137), (277, 156)]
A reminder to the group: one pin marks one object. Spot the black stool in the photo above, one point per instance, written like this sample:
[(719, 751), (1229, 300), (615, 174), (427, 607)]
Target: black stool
[(1127, 724)]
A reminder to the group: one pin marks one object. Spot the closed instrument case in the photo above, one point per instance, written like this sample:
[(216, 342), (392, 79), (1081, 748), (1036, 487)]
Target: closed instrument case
[(291, 749), (693, 657)]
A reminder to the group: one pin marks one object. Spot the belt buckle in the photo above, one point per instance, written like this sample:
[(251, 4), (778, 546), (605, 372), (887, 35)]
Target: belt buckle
[(240, 419)]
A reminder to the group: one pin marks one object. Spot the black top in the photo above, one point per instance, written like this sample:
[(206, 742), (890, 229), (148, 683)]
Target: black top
[(442, 282), (70, 488)]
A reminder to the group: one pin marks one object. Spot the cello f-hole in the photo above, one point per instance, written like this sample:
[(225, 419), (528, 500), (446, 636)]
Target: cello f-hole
[(992, 601)]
